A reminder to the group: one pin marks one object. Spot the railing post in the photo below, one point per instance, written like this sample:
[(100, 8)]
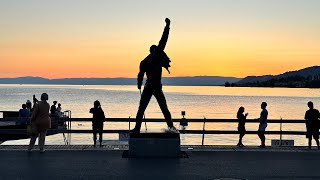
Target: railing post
[(129, 122), (69, 135), (203, 130), (280, 131)]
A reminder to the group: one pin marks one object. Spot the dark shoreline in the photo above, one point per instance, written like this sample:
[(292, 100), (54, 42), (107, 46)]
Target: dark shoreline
[(172, 81)]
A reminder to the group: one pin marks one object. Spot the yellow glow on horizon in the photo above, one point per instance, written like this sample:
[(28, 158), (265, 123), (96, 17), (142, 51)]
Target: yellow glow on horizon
[(206, 54)]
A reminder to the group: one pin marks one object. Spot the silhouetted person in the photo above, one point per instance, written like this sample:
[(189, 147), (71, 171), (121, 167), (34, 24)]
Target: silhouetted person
[(97, 121), (263, 124), (29, 105), (53, 109), (152, 66), (24, 115), (40, 120), (312, 119), (59, 110), (241, 125), (35, 101)]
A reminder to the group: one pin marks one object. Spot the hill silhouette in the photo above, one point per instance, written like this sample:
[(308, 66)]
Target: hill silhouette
[(307, 77)]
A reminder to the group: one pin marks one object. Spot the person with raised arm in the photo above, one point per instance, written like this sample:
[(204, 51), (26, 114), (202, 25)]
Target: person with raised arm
[(152, 67), (241, 125)]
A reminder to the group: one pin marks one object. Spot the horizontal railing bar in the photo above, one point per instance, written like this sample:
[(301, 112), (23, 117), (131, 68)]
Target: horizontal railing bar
[(189, 120), (174, 120), (23, 131)]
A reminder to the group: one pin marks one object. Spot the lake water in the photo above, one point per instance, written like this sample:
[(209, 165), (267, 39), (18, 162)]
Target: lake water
[(197, 101)]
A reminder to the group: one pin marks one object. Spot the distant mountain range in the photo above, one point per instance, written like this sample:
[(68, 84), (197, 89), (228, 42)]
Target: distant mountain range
[(307, 77), (177, 81)]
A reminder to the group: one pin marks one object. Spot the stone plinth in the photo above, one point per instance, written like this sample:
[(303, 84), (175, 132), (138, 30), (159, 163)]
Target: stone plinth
[(154, 145)]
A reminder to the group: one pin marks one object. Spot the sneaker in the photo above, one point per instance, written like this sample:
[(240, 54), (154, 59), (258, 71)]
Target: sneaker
[(42, 151), (173, 130)]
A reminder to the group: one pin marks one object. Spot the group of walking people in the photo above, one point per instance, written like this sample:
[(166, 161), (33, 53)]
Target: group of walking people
[(312, 117)]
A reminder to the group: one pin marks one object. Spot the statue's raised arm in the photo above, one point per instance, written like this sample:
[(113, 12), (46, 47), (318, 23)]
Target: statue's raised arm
[(165, 35)]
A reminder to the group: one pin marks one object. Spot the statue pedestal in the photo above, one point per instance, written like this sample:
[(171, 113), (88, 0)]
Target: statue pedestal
[(154, 145)]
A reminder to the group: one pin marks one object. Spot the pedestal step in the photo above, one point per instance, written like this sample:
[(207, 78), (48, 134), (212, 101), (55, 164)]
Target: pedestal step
[(154, 145)]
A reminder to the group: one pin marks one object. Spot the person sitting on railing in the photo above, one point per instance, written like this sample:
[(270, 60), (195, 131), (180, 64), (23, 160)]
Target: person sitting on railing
[(53, 109), (311, 117), (263, 124), (97, 121), (241, 126), (24, 115), (59, 110), (29, 106)]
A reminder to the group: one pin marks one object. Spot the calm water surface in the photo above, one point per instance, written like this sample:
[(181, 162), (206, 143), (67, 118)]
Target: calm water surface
[(197, 101)]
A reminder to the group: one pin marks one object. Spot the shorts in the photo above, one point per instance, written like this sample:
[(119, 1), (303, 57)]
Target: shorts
[(312, 131)]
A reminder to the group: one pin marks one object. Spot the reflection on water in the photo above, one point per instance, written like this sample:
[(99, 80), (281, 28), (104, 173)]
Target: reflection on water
[(197, 101)]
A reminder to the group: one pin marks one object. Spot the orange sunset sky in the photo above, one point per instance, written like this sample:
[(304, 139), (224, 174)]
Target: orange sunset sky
[(81, 38)]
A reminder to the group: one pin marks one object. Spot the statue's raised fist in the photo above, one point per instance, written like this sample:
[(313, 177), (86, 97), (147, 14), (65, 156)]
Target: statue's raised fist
[(168, 21)]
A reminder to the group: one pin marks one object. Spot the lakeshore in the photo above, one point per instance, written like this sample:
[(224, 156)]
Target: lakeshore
[(207, 162), (198, 102)]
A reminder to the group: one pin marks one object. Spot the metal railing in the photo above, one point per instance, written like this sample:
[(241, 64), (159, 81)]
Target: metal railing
[(68, 127)]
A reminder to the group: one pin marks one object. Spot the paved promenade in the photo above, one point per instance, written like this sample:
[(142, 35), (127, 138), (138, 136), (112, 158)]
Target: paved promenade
[(86, 162)]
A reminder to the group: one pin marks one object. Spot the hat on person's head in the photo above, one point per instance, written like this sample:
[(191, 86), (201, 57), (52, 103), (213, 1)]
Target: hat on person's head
[(28, 102), (55, 102)]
